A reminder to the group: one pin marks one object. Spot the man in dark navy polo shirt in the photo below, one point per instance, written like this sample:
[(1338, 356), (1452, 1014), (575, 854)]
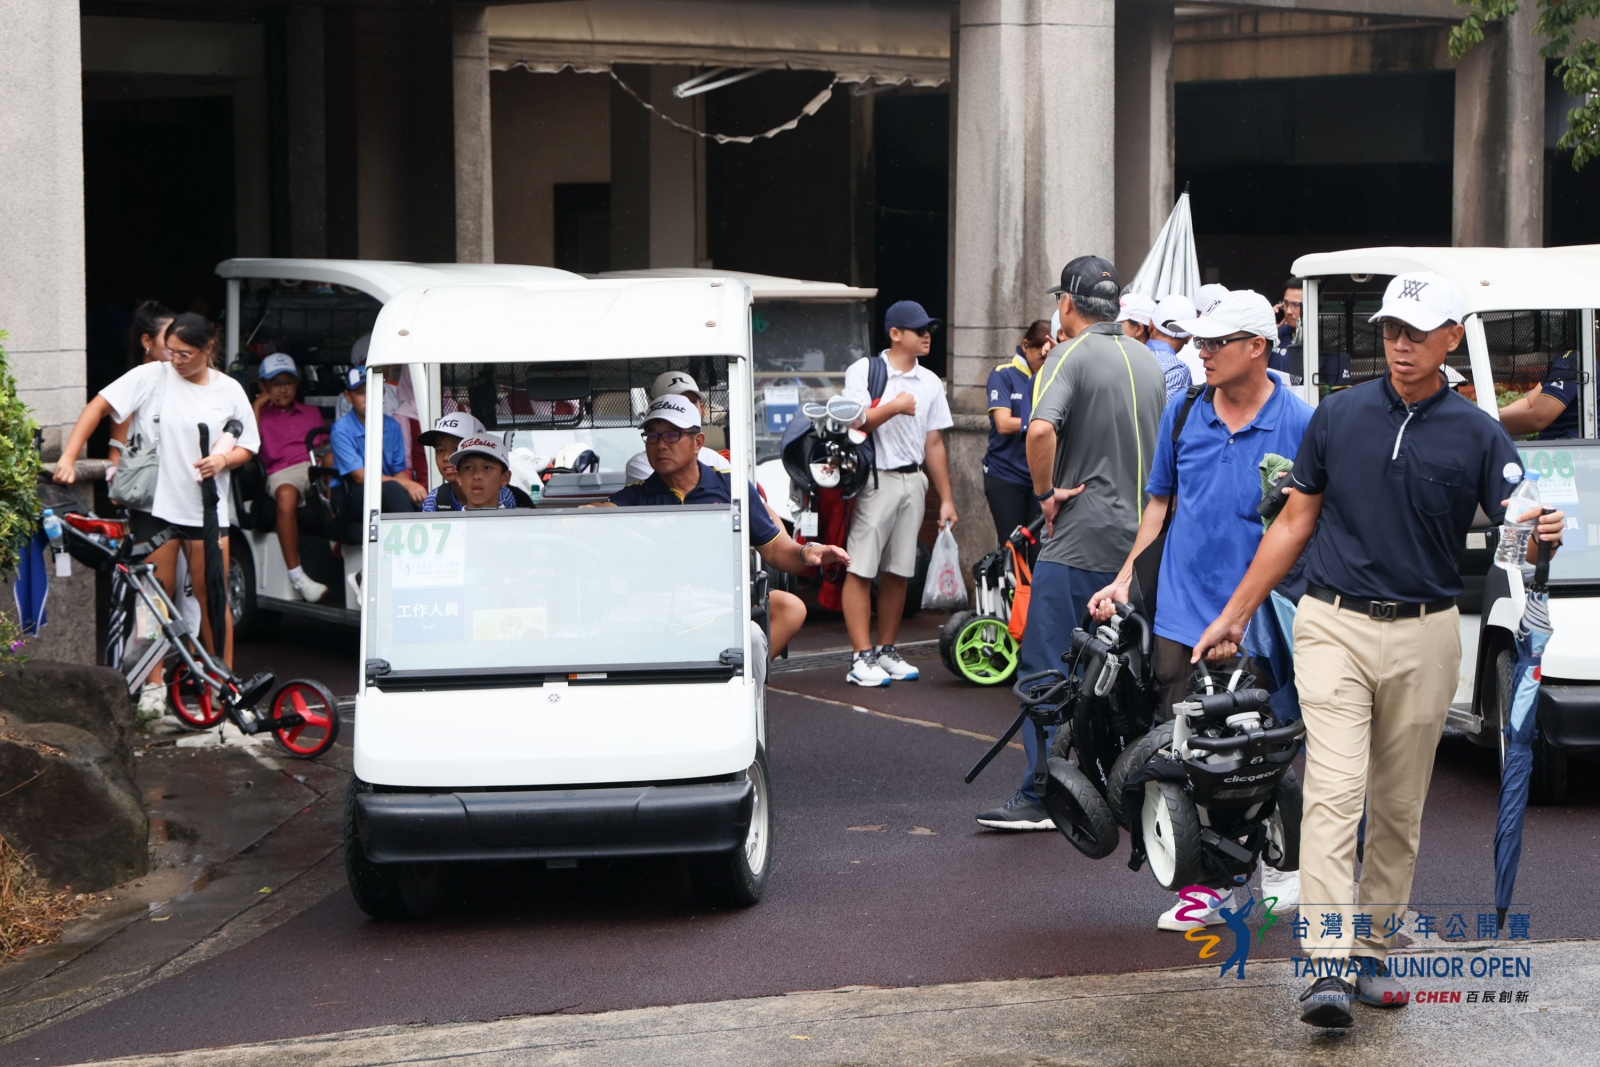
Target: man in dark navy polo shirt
[(1385, 485), (672, 443), (1550, 409)]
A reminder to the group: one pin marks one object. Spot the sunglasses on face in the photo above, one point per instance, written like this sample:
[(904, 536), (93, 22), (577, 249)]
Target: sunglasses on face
[(671, 437), (1214, 345), (1393, 328)]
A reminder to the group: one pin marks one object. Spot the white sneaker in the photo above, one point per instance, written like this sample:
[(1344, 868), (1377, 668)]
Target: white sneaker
[(897, 668), (1285, 885), (864, 670), (1196, 918), (309, 588)]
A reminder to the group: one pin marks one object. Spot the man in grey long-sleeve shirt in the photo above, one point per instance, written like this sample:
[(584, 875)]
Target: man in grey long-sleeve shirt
[(1097, 402)]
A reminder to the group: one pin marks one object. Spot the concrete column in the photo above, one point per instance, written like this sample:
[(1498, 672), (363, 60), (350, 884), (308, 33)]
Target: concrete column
[(657, 173), (41, 211), (307, 131), (1498, 181), (474, 165), (1145, 126)]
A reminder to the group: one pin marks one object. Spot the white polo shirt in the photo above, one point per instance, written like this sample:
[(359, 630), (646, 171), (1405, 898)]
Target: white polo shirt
[(902, 440)]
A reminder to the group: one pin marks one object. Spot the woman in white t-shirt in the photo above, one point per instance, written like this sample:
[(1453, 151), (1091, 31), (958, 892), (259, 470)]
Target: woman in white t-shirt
[(147, 343), (180, 395)]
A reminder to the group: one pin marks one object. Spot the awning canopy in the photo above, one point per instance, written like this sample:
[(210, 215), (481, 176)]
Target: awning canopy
[(887, 41)]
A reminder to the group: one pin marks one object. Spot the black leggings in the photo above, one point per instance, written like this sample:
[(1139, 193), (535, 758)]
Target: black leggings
[(1012, 505)]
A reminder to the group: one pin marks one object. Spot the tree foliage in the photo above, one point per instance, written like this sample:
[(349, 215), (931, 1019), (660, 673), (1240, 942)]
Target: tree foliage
[(19, 469), (1579, 69)]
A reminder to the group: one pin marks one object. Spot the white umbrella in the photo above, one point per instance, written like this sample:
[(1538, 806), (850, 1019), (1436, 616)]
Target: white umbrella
[(1172, 265)]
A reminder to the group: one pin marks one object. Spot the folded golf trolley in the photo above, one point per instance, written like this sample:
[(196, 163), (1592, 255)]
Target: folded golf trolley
[(1203, 796), (147, 629), (981, 645)]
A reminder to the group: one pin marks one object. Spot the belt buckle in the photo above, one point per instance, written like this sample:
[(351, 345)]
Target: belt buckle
[(1383, 610)]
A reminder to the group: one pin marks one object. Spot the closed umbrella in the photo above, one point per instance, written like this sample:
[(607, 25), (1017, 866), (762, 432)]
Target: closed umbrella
[(216, 579), (1533, 634), (1172, 266)]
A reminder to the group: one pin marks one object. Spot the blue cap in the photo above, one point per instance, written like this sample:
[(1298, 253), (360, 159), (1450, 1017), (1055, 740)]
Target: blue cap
[(355, 377), (277, 364), (908, 315)]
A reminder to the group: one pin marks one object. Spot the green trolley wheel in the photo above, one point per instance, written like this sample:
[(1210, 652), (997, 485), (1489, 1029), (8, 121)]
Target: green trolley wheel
[(982, 651)]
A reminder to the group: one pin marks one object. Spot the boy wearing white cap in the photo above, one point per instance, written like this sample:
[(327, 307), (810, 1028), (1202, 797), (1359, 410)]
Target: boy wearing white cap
[(1385, 484), (483, 477), (285, 422), (1166, 338)]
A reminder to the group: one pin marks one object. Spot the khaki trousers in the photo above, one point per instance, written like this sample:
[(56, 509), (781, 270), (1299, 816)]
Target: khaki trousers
[(1374, 695)]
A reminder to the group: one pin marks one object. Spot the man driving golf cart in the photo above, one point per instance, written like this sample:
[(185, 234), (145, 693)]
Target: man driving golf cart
[(672, 443)]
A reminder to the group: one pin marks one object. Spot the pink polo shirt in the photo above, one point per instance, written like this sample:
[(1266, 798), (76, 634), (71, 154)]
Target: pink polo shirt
[(283, 434)]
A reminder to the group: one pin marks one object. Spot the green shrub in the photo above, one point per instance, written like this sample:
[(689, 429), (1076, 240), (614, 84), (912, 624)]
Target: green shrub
[(19, 469)]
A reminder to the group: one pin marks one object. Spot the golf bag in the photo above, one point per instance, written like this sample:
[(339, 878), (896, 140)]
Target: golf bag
[(1206, 795)]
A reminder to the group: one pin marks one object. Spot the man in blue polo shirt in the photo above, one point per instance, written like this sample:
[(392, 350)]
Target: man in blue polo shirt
[(1213, 472), (1386, 483), (349, 438), (672, 443)]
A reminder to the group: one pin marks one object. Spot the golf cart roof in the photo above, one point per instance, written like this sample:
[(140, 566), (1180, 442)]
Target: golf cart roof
[(567, 320), (762, 286), (1491, 279), (384, 279)]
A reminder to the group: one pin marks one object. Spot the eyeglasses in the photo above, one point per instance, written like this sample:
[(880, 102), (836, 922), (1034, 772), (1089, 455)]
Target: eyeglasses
[(1296, 304), (671, 437), (1392, 328), (1217, 344)]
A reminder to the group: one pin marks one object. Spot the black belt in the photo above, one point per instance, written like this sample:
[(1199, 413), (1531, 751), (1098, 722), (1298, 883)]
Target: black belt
[(1382, 610), (909, 468)]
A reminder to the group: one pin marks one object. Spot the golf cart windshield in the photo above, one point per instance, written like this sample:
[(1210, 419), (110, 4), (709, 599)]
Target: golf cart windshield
[(1569, 479)]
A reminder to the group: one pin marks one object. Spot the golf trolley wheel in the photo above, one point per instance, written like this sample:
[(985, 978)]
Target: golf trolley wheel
[(314, 703), (982, 650), (190, 699), (1079, 811), (1132, 759), (1171, 827), (947, 639), (1283, 828)]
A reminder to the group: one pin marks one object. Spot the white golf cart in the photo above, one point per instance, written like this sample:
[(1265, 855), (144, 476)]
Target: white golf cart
[(317, 311), (1525, 307), (562, 683)]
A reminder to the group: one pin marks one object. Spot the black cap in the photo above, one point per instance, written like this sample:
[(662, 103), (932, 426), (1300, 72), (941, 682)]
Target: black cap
[(1089, 276)]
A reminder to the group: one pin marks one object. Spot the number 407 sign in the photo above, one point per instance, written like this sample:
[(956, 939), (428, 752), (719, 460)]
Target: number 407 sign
[(425, 553)]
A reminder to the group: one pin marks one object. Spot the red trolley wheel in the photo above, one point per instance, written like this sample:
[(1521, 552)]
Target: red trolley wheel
[(191, 699), (314, 703)]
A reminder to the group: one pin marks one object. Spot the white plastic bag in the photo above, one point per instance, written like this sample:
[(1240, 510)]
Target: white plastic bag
[(945, 589)]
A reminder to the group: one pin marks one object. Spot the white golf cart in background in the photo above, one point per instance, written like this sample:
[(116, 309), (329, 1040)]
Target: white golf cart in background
[(561, 683), (1524, 308), (317, 310)]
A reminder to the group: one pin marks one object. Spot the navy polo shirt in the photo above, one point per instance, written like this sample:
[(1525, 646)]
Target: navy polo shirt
[(1010, 389), (1215, 530), (1399, 486), (1278, 358), (1561, 384), (714, 488)]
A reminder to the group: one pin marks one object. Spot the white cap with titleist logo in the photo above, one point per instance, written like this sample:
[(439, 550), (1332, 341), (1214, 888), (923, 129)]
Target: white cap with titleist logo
[(674, 409), (1422, 299), (492, 447), (1240, 311)]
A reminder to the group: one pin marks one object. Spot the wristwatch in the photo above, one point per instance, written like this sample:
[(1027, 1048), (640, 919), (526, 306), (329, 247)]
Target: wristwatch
[(1046, 495)]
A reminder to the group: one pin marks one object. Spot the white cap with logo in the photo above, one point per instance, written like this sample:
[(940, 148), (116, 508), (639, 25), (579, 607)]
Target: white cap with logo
[(674, 409), (1422, 299), (1137, 307), (1170, 309), (674, 382), (277, 364), (455, 424), (492, 447), (1209, 295), (1240, 311)]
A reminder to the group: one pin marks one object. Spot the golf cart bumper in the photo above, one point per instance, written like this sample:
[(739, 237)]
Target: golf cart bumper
[(648, 820), (1569, 715)]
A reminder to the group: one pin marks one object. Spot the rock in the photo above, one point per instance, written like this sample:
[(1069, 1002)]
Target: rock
[(68, 803), (91, 698)]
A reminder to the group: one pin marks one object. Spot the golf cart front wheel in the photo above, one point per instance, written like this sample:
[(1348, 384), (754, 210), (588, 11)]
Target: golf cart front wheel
[(738, 878), (982, 651), (1171, 826), (318, 709), (191, 699), (1078, 809)]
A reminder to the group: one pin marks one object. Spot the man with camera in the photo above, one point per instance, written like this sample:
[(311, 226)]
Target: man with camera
[(1385, 486), (1205, 485)]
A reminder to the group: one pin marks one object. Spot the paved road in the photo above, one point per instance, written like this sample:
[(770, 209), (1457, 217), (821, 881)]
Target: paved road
[(896, 907)]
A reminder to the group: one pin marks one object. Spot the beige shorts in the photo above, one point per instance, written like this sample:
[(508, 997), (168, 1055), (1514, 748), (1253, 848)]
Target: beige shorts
[(883, 534), (298, 476)]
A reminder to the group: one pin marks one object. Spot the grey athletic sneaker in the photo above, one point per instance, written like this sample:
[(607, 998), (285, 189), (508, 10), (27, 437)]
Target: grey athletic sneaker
[(897, 668), (1018, 813), (1375, 986), (1327, 1003)]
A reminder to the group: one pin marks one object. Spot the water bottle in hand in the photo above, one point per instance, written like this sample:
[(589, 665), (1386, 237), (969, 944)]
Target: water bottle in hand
[(1513, 548), (52, 530)]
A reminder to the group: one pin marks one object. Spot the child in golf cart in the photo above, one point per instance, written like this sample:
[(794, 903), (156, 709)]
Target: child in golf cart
[(445, 438), (483, 478)]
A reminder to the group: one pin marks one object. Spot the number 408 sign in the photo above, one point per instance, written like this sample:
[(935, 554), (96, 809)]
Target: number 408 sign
[(425, 553)]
